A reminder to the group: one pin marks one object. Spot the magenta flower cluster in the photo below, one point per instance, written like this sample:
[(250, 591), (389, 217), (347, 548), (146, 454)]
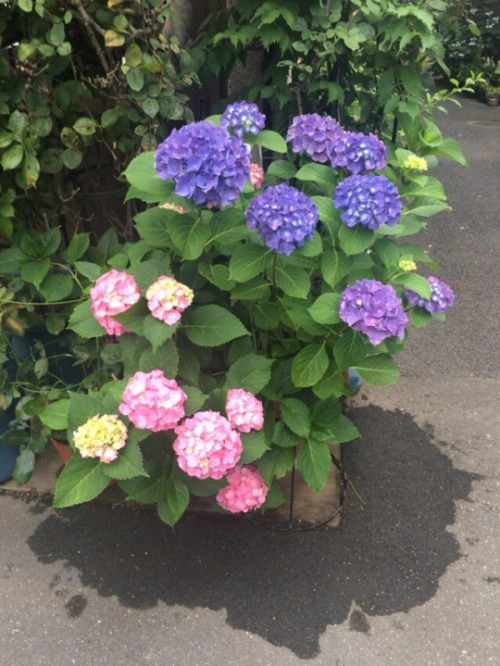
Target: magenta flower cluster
[(373, 308), (246, 490), (244, 411), (208, 165), (284, 217), (168, 298), (358, 152), (243, 118), (152, 401), (113, 293), (442, 297), (314, 135), (369, 201)]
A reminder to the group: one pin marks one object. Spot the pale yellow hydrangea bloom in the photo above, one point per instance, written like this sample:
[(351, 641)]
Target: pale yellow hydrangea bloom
[(416, 163), (407, 265), (101, 437)]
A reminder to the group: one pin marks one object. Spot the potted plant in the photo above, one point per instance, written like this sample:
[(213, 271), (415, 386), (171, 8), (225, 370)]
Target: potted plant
[(492, 94), (235, 315)]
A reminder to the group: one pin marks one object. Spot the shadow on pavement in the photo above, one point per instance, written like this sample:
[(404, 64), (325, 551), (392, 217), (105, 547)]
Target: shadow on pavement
[(387, 556)]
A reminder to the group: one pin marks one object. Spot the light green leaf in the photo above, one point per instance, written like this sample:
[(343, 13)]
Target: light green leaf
[(254, 290), (88, 270), (309, 365), (13, 157), (282, 169), (35, 271), (129, 463), (420, 317), (172, 506), (250, 372), (189, 234), (81, 480), (211, 325), (77, 247), (320, 174), (165, 357), (83, 322), (296, 416), (142, 174), (271, 140), (254, 446), (56, 288), (354, 240), (416, 283), (55, 415), (248, 261), (350, 349), (315, 462), (294, 281), (325, 309), (380, 370)]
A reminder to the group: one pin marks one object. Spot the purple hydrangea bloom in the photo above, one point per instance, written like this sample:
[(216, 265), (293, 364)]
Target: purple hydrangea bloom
[(208, 165), (243, 118), (369, 201), (284, 217), (358, 152), (315, 135), (442, 297), (373, 308)]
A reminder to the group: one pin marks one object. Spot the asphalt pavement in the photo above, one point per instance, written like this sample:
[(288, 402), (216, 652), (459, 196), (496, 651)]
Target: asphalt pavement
[(411, 577)]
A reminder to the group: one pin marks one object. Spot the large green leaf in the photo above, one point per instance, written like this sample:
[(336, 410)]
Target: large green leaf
[(254, 290), (325, 309), (272, 141), (83, 322), (276, 463), (315, 462), (189, 234), (254, 446), (144, 489), (416, 283), (297, 416), (152, 226), (344, 430), (320, 174), (55, 415), (82, 408), (81, 480), (141, 173), (248, 261), (250, 372), (354, 240), (211, 325), (165, 357), (56, 288), (282, 169), (309, 365), (128, 464), (380, 369), (174, 503), (293, 280), (350, 349), (334, 266)]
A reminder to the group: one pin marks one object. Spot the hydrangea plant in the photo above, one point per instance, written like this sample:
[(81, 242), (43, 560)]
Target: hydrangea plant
[(236, 315)]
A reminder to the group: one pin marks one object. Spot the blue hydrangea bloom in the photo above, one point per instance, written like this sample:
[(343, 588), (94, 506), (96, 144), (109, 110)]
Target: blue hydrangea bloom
[(284, 217), (208, 165), (358, 152), (243, 118), (369, 201), (315, 135), (373, 308), (442, 297)]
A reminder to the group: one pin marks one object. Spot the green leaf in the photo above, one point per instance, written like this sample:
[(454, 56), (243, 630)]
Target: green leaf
[(56, 288), (275, 497), (328, 214), (254, 290), (133, 55), (25, 464), (88, 270), (325, 309), (77, 247), (309, 365), (313, 247), (165, 357), (85, 126), (135, 79), (83, 322), (82, 408), (147, 490), (452, 149), (211, 325), (247, 261), (254, 446), (334, 266), (294, 281), (250, 372), (35, 271), (217, 274), (320, 174), (72, 158), (13, 157), (344, 430), (156, 331), (284, 437), (350, 349), (276, 463), (141, 173), (272, 141), (388, 251), (114, 39), (195, 399), (189, 234), (152, 226), (420, 317), (172, 506), (380, 370), (416, 283), (282, 169), (428, 210), (129, 463), (315, 462), (55, 415), (296, 416), (354, 240), (81, 480), (266, 316)]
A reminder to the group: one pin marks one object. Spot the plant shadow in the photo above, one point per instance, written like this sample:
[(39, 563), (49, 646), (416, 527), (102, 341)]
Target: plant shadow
[(387, 556)]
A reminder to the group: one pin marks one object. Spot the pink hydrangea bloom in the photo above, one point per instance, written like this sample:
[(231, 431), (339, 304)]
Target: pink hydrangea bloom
[(257, 175), (207, 446), (246, 490), (113, 293), (245, 412), (152, 401), (167, 299)]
